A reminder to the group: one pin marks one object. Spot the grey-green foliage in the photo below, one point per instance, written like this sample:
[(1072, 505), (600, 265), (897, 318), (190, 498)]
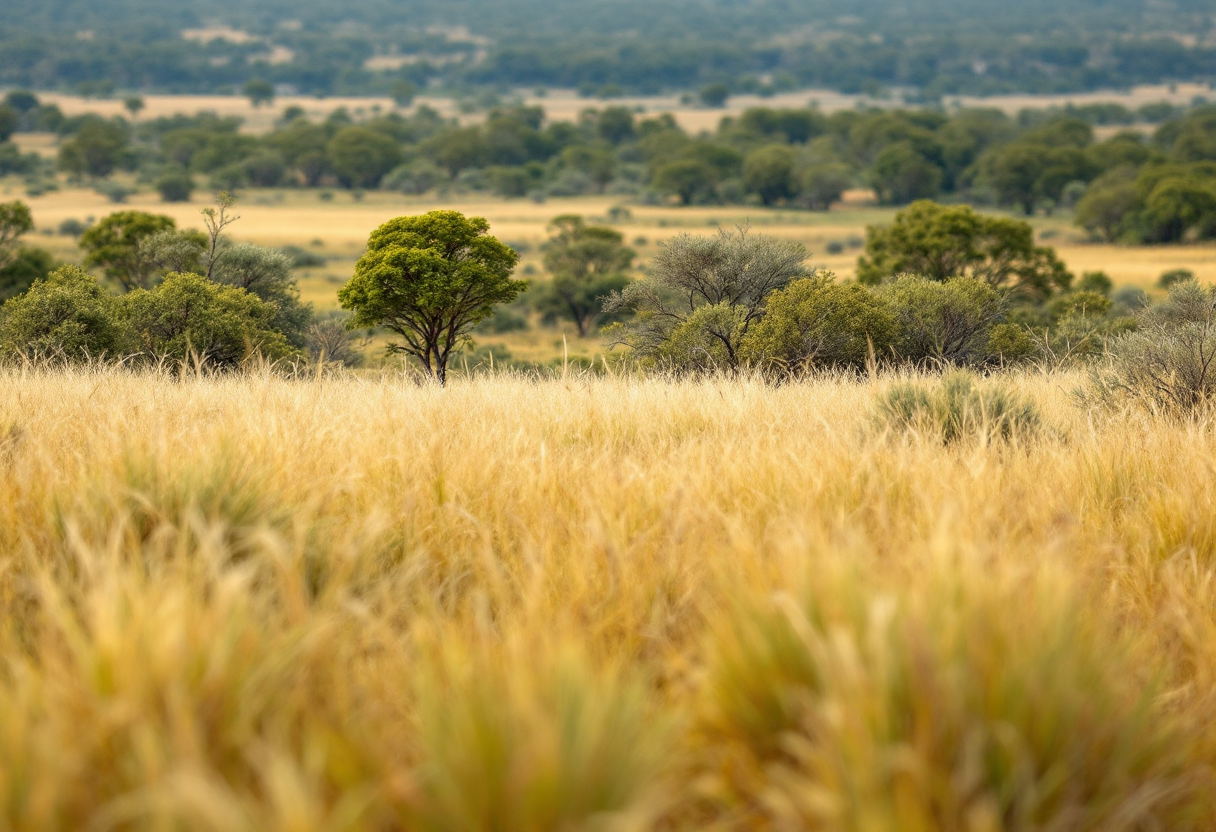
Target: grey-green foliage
[(266, 273), (944, 321), (66, 316), (171, 251), (1169, 363), (732, 272), (958, 407)]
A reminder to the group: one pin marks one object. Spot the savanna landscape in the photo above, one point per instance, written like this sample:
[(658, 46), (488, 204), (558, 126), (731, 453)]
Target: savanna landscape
[(659, 416)]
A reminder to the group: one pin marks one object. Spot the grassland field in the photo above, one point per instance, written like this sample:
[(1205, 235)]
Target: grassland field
[(606, 602), (596, 602)]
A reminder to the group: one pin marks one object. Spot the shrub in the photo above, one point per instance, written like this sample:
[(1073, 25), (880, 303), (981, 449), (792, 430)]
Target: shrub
[(415, 178), (1173, 276), (116, 192), (302, 258), (817, 322), (72, 227), (946, 321), (957, 408), (175, 186), (830, 710), (68, 315), (266, 273), (1010, 343), (1168, 363), (188, 316)]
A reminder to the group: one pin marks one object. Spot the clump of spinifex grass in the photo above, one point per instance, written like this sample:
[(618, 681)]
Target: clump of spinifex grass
[(973, 707), (959, 407)]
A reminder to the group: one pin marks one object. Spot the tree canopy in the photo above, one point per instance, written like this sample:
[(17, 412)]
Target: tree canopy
[(429, 279), (941, 242)]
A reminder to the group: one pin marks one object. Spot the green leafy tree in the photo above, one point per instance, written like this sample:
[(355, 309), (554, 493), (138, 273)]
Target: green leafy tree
[(823, 184), (702, 295), (598, 163), (113, 245), (902, 175), (15, 222), (1109, 205), (175, 186), (769, 172), (134, 105), (97, 149), (361, 156), (1014, 172), (689, 179), (715, 95), (10, 120), (67, 315), (430, 279), (188, 316), (943, 242), (1177, 206), (27, 265), (615, 125), (817, 322), (259, 91), (587, 264)]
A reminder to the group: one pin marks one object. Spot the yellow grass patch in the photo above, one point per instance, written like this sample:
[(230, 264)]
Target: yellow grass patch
[(358, 603)]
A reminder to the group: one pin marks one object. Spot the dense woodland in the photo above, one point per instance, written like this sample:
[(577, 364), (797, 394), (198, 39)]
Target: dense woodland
[(932, 47)]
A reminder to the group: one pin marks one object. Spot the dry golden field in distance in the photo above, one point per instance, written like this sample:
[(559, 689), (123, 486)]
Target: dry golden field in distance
[(565, 105), (611, 603), (337, 227)]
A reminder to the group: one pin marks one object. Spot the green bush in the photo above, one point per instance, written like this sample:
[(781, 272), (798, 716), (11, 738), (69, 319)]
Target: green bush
[(67, 315), (957, 408), (947, 321), (1010, 343), (1167, 364), (817, 322), (175, 186), (187, 316)]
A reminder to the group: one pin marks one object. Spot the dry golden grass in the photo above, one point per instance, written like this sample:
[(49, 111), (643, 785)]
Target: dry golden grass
[(566, 105), (613, 603)]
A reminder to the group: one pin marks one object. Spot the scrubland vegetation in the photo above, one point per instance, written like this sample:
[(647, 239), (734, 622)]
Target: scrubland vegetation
[(249, 602), (912, 533)]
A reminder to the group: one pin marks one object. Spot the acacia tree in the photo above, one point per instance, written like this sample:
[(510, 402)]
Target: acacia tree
[(587, 263), (114, 246), (430, 279), (943, 242), (702, 295)]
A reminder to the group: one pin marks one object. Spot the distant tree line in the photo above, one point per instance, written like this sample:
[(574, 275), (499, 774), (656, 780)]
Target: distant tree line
[(1159, 187), (932, 46)]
